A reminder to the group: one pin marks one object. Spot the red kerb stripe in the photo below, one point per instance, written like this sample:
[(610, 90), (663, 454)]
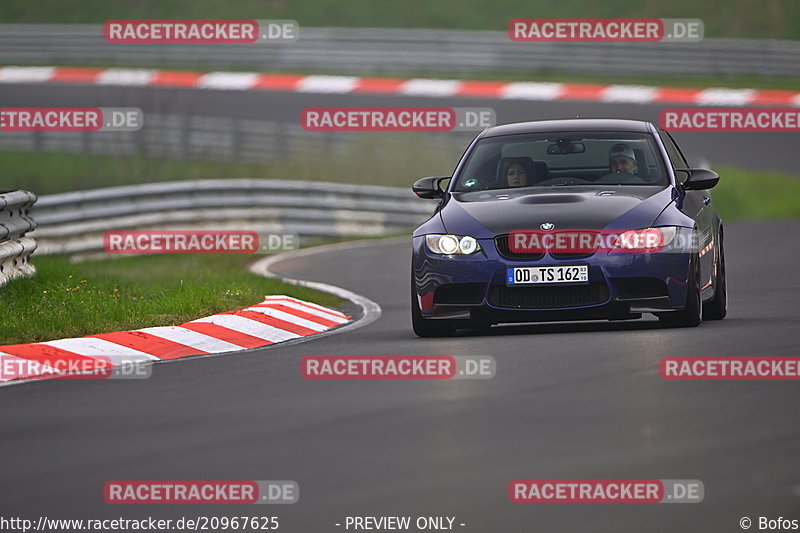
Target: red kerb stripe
[(226, 334), (149, 343)]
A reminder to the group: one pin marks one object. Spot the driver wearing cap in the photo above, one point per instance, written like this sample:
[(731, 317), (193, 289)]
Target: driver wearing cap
[(621, 159)]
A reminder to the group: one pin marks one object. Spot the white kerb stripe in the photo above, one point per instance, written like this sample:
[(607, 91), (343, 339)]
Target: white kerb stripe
[(92, 346), (308, 304), (237, 81), (193, 339), (329, 313), (124, 76), (250, 327), (636, 94), (796, 100), (426, 87), (531, 91), (26, 74), (21, 367), (281, 315), (721, 97), (327, 84), (300, 307)]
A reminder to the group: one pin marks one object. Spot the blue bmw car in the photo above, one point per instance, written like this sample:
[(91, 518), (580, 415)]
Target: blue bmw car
[(578, 219)]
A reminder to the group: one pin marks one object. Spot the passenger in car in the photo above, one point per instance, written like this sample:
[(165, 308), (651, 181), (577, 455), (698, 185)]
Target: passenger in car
[(517, 172), (516, 175), (622, 160)]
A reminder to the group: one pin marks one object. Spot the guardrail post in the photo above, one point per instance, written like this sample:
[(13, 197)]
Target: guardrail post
[(37, 141), (15, 247)]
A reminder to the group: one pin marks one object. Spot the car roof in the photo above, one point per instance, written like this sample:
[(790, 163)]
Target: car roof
[(571, 124)]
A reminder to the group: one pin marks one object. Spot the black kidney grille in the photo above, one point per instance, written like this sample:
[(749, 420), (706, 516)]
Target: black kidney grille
[(550, 296), (501, 242)]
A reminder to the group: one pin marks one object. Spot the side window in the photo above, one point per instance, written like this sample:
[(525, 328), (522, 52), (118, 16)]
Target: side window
[(675, 156)]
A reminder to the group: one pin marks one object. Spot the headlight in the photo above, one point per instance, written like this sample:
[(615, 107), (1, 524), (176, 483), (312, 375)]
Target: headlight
[(647, 239), (452, 244)]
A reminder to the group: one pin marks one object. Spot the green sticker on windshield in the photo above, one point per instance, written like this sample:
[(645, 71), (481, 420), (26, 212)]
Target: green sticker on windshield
[(470, 182)]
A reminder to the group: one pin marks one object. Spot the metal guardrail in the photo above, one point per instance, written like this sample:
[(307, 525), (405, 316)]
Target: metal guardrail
[(15, 247), (359, 50), (75, 222)]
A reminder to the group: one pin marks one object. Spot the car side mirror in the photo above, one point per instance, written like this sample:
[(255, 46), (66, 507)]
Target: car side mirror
[(428, 188), (699, 179)]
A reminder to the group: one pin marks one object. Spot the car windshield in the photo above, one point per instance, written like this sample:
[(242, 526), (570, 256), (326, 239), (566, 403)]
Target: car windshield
[(562, 159)]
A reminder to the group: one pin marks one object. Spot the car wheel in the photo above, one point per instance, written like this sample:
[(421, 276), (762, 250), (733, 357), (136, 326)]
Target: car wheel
[(689, 316), (425, 327), (717, 308)]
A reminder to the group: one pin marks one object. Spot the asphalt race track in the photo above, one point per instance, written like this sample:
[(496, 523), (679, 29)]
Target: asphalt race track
[(569, 401), (758, 151)]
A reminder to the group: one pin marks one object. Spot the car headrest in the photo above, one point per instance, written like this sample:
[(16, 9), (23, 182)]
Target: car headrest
[(536, 170), (641, 163)]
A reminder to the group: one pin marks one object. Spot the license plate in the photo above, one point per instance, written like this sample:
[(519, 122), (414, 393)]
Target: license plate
[(547, 274)]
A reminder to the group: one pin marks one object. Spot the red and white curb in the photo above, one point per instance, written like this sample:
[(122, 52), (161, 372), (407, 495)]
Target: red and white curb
[(253, 81), (276, 319)]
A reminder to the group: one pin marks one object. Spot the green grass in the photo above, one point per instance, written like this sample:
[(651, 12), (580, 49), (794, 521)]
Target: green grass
[(773, 19), (69, 299), (748, 195)]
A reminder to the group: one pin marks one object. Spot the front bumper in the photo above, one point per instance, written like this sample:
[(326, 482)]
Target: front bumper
[(620, 284)]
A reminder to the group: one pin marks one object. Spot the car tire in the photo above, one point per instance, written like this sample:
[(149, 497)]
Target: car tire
[(691, 315), (425, 327), (717, 307)]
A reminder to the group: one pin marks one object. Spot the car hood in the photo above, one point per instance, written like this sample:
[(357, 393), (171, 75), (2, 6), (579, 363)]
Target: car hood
[(484, 214)]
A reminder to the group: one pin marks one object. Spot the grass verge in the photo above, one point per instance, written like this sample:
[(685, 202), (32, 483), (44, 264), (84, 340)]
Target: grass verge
[(71, 300), (748, 195)]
